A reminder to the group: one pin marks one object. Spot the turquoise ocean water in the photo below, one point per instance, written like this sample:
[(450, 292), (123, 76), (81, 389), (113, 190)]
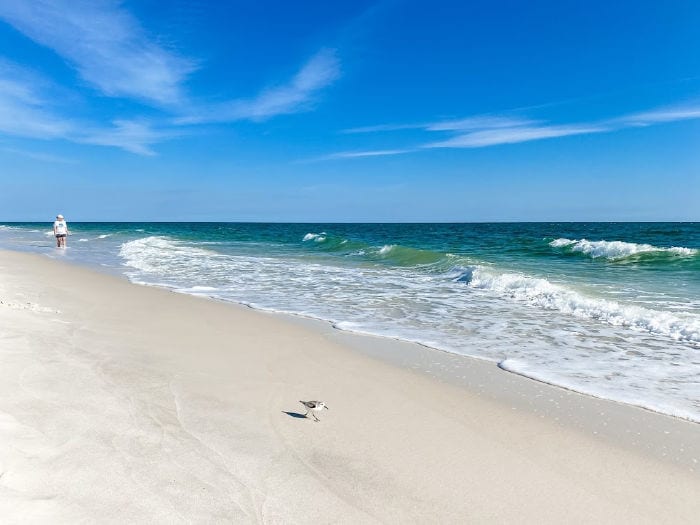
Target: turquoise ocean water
[(608, 309)]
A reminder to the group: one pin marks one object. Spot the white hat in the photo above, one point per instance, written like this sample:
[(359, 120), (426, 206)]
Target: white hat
[(59, 216)]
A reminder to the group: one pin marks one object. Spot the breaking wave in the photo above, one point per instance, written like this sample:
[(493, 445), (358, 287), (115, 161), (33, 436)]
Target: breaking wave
[(617, 250), (544, 294), (165, 256)]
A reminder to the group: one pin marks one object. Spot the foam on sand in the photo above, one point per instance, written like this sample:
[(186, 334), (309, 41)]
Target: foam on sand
[(28, 305), (525, 369)]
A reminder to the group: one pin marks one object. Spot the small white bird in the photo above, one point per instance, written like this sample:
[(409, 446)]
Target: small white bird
[(313, 406)]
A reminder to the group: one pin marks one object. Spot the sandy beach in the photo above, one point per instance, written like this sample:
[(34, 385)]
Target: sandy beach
[(130, 404)]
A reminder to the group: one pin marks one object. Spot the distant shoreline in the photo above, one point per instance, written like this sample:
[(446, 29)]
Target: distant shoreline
[(311, 222)]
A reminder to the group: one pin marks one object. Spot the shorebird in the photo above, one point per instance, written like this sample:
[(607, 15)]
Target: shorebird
[(313, 406)]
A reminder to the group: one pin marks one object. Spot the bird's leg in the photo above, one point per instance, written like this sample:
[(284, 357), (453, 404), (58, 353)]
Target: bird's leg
[(317, 419)]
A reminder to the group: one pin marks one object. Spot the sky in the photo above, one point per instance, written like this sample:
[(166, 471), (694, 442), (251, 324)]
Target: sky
[(361, 111)]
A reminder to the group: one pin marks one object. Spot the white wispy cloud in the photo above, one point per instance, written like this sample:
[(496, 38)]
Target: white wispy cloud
[(660, 115), (479, 123), (492, 137), (23, 106), (295, 96), (371, 153), (473, 132), (361, 154), (25, 111), (105, 44), (510, 134), (316, 74), (476, 122), (130, 135), (490, 130)]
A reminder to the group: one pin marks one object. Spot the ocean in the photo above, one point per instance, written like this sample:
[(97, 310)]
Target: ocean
[(607, 309)]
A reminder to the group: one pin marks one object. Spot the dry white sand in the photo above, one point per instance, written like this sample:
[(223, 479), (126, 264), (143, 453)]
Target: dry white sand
[(121, 403)]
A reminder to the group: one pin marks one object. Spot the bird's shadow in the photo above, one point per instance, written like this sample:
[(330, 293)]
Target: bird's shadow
[(294, 414)]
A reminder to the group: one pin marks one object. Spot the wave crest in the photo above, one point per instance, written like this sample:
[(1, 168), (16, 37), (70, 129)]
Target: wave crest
[(615, 250), (317, 237), (164, 256), (544, 294)]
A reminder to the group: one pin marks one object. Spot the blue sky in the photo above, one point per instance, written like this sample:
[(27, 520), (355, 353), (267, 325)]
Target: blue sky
[(350, 111)]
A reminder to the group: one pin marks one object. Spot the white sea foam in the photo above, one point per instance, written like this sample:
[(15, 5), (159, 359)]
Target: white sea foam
[(165, 256), (162, 255), (83, 240), (387, 248), (554, 332), (617, 249), (104, 236), (632, 394), (544, 294), (317, 237), (5, 227)]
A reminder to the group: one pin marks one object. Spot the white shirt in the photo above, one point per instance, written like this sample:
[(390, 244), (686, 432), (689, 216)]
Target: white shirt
[(60, 227)]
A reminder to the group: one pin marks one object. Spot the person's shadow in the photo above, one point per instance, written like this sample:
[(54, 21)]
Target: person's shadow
[(294, 414)]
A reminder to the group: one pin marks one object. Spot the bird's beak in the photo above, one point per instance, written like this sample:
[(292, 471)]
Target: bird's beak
[(324, 406)]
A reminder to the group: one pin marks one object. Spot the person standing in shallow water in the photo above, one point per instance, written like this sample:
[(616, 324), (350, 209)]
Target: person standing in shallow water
[(60, 230)]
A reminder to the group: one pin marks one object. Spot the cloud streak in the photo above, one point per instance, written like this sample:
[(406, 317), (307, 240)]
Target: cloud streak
[(470, 123), (24, 113), (130, 135), (293, 97), (660, 116), (361, 154), (479, 123), (23, 106), (492, 137), (105, 44), (485, 131)]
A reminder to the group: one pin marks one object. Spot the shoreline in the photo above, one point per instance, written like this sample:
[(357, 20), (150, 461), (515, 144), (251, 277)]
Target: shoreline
[(659, 433), (400, 416), (400, 341), (394, 355), (439, 351), (563, 356)]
